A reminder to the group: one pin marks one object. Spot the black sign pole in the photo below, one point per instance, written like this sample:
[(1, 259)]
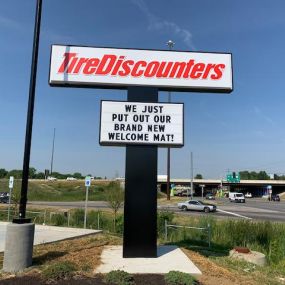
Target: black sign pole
[(29, 126), (140, 208)]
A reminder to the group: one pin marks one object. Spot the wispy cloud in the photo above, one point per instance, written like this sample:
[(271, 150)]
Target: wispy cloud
[(258, 112), (49, 35), (162, 25), (9, 23)]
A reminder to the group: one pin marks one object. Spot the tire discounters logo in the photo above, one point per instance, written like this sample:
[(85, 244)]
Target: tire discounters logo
[(141, 123), (120, 68)]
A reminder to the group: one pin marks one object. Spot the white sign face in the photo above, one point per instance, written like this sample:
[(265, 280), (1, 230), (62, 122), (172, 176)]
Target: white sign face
[(141, 123), (87, 181), (120, 68), (11, 182)]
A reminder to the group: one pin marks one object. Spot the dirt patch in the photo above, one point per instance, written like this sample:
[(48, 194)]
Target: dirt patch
[(140, 279), (212, 274), (83, 252)]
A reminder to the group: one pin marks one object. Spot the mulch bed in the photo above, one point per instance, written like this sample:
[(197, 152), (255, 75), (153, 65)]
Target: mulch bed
[(140, 279)]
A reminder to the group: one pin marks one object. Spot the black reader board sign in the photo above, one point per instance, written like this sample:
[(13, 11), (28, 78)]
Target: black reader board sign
[(125, 123)]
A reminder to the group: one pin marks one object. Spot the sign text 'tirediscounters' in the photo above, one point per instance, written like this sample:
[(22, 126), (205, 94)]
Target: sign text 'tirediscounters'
[(120, 68)]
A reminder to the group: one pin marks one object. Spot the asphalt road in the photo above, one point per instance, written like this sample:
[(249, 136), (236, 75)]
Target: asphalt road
[(253, 208)]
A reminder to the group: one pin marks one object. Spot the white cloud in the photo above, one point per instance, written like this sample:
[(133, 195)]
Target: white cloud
[(161, 25), (262, 114)]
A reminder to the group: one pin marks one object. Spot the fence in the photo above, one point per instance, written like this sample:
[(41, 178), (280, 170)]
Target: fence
[(38, 214), (207, 229)]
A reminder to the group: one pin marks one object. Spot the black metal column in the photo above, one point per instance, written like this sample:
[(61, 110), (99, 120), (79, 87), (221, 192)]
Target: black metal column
[(30, 114), (140, 210)]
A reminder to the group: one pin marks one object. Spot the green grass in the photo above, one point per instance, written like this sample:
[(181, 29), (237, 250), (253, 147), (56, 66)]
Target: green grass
[(59, 270), (57, 190)]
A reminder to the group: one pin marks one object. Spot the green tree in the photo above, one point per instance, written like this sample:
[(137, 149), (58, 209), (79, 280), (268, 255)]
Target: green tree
[(115, 198), (198, 176), (262, 175), (16, 173), (3, 173), (32, 172), (40, 175), (77, 175)]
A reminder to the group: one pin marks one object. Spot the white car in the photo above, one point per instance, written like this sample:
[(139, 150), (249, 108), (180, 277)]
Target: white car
[(196, 205), (71, 178), (248, 195), (50, 178)]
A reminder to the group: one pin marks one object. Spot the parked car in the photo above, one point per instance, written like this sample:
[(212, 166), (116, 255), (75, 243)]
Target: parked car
[(196, 205), (236, 197), (50, 178), (71, 178), (275, 198), (4, 194), (210, 196), (248, 195), (4, 199)]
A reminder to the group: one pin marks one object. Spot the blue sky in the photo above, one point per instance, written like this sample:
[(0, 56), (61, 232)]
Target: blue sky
[(242, 130)]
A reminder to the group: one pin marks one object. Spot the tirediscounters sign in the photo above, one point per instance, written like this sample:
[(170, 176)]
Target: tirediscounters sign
[(120, 68), (141, 123)]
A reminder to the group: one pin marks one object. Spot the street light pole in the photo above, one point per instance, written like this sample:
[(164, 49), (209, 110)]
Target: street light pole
[(191, 175), (30, 115), (52, 153), (170, 44)]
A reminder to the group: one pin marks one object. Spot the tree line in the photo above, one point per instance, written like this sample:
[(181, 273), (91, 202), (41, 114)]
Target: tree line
[(261, 175), (34, 174)]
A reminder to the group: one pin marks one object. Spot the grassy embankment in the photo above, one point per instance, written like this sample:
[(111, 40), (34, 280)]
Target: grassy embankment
[(40, 190)]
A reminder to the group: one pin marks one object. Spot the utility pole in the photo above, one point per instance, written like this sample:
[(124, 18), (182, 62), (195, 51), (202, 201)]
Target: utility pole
[(191, 175), (170, 44), (52, 153)]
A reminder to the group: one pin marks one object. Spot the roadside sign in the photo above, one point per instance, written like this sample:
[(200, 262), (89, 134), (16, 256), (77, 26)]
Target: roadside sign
[(11, 182), (87, 181), (142, 123), (119, 68)]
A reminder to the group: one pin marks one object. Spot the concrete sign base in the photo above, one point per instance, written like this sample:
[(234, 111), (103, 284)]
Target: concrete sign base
[(19, 247), (168, 258)]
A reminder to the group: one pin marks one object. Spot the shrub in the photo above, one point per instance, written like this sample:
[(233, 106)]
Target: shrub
[(78, 217), (161, 217), (59, 270), (119, 277), (179, 278), (58, 219)]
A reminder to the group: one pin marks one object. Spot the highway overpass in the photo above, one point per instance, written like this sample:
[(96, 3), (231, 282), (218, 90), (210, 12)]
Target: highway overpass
[(256, 187)]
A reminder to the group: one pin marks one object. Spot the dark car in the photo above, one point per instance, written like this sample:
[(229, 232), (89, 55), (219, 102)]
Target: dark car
[(4, 199), (275, 198), (210, 196)]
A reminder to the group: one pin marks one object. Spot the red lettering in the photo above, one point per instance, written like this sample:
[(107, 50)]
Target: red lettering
[(136, 71), (163, 72), (90, 66), (188, 67), (111, 64), (197, 70), (209, 67), (106, 64), (218, 71), (118, 65), (151, 69), (68, 56), (177, 69), (126, 68), (81, 61)]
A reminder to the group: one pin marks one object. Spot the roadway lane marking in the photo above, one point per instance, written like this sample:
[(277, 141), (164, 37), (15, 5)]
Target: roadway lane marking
[(234, 214)]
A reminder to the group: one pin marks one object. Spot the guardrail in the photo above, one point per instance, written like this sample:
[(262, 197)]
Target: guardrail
[(208, 229)]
